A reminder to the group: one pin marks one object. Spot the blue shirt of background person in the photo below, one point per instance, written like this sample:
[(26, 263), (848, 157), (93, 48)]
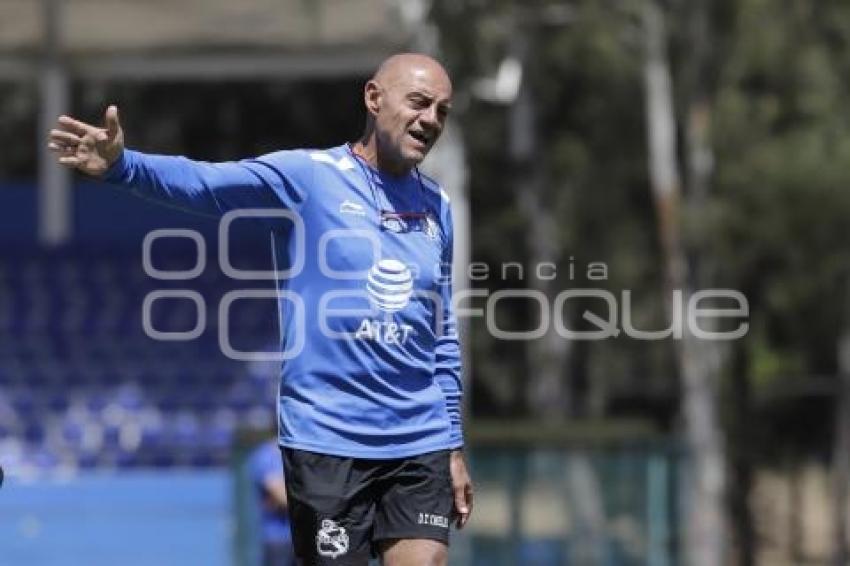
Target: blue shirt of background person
[(265, 468)]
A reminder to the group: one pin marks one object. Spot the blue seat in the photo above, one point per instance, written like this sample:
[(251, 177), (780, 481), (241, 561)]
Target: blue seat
[(74, 351)]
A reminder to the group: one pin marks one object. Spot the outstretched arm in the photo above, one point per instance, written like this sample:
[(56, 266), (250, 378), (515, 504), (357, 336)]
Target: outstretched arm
[(210, 188)]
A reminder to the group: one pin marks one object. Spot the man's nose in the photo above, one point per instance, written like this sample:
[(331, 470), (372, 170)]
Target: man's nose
[(430, 117)]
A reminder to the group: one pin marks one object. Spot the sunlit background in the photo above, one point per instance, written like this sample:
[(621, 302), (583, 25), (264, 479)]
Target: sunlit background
[(644, 151)]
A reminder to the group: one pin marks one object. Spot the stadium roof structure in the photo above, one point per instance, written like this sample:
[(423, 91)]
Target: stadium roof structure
[(57, 41), (148, 39)]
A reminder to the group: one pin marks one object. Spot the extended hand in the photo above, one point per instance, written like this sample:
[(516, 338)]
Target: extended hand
[(85, 147), (462, 487)]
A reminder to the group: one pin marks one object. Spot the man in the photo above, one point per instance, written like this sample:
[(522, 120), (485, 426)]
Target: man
[(369, 405), (265, 471)]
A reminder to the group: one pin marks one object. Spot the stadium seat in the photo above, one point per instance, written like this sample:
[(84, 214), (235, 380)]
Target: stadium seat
[(81, 384)]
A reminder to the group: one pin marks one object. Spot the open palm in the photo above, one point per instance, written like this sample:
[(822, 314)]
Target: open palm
[(88, 148)]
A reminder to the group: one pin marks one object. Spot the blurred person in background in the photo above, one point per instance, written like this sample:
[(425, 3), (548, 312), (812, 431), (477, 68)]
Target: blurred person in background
[(369, 419), (265, 469)]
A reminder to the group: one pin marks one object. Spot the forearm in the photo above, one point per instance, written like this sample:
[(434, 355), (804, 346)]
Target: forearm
[(448, 372), (276, 491), (207, 188), (448, 366), (453, 408)]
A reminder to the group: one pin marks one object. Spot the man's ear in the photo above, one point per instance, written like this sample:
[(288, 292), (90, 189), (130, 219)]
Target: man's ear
[(372, 97)]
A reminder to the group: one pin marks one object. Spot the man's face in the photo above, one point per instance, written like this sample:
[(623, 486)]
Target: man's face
[(412, 114)]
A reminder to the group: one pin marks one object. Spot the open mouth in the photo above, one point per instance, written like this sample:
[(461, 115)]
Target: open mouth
[(421, 137)]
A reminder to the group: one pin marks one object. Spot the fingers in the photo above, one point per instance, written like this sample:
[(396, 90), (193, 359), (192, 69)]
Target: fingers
[(76, 127), (64, 139), (70, 161), (463, 498), (72, 151), (112, 123), (62, 149), (461, 488), (77, 144), (469, 504)]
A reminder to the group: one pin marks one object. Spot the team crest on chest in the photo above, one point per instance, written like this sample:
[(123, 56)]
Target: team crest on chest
[(430, 228)]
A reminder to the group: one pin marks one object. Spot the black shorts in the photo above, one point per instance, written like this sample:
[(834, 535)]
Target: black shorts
[(341, 508)]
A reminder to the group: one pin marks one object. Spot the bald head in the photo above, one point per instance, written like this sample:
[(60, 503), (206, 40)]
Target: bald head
[(405, 66), (408, 100)]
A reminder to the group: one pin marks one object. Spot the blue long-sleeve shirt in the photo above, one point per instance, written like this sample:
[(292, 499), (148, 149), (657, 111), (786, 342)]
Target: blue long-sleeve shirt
[(371, 361)]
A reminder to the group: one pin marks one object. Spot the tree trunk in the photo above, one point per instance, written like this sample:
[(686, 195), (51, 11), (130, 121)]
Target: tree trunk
[(740, 454), (841, 454), (698, 360), (547, 389), (549, 395), (700, 166)]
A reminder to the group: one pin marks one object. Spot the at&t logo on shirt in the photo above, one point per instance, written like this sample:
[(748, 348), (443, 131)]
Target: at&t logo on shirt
[(389, 285)]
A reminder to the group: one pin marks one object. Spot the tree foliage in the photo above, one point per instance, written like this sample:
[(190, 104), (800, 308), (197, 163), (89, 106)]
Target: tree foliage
[(774, 223)]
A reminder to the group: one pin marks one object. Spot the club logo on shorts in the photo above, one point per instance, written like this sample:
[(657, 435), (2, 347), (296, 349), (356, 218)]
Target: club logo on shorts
[(331, 539)]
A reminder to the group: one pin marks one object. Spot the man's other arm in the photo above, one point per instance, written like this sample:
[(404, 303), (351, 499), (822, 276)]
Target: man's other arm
[(447, 374)]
